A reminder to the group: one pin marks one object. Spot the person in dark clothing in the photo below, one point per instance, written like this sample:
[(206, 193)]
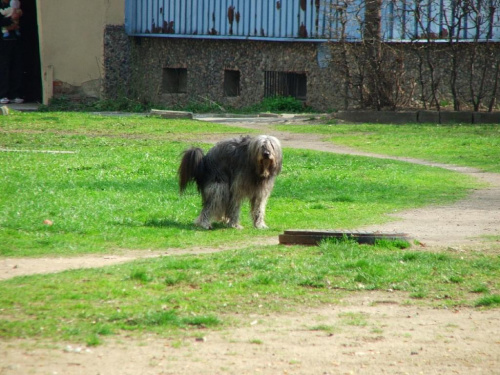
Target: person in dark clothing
[(11, 62)]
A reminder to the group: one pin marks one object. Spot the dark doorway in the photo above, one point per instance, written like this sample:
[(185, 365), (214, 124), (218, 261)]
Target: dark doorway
[(32, 79)]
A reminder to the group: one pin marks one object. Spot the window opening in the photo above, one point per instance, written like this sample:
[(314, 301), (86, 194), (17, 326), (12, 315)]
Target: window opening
[(174, 80), (231, 82), (285, 84)]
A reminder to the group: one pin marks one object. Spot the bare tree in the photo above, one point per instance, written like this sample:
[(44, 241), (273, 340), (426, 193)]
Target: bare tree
[(453, 57), (372, 70), (482, 60), (494, 90), (462, 31)]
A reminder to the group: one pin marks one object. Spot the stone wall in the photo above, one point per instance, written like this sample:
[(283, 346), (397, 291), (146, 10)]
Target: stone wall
[(206, 60), (135, 67), (117, 62)]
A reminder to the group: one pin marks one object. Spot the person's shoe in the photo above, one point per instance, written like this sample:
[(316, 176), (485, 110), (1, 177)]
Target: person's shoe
[(4, 101), (18, 101)]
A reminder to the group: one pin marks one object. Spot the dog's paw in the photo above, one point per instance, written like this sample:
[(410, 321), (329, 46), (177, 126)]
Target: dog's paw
[(236, 226), (261, 226), (202, 224)]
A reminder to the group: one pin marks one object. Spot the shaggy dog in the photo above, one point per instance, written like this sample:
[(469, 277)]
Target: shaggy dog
[(231, 171)]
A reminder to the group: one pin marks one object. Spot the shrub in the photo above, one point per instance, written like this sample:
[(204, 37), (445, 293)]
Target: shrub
[(282, 104)]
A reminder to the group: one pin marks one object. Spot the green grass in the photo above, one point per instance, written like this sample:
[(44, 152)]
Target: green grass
[(65, 103), (353, 319), (179, 294), (23, 129), (466, 145), (200, 105), (118, 189), (281, 104), (489, 301), (329, 329)]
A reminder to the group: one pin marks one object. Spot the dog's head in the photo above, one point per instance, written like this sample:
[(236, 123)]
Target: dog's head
[(266, 151)]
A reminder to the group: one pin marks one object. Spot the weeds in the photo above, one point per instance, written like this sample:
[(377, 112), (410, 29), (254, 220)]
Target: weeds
[(200, 105), (281, 104), (328, 329), (64, 103), (488, 301)]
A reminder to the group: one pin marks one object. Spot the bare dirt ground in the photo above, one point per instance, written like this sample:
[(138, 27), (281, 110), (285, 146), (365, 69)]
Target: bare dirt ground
[(366, 333)]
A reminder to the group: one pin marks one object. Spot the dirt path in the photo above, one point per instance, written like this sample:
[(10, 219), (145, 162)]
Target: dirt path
[(461, 224), (366, 333)]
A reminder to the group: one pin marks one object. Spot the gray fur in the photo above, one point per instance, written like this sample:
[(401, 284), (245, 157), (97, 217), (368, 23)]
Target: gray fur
[(233, 170)]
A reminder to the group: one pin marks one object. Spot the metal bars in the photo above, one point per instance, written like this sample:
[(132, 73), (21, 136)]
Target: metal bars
[(285, 84)]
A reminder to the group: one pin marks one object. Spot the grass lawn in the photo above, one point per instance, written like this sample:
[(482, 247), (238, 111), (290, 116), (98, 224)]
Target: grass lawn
[(116, 189), (466, 145), (179, 295)]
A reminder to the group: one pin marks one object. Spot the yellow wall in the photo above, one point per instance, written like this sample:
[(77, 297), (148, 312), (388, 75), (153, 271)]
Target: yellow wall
[(71, 42)]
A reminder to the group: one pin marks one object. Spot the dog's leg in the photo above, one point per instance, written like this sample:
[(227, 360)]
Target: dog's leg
[(258, 211), (211, 197), (233, 214), (216, 199), (203, 220)]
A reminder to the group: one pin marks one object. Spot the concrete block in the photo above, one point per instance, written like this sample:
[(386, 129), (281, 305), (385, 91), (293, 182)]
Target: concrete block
[(387, 117), (171, 114), (455, 117), (377, 117), (428, 117), (271, 115), (486, 117)]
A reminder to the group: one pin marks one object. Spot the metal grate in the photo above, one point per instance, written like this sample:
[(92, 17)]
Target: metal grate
[(315, 237), (285, 84)]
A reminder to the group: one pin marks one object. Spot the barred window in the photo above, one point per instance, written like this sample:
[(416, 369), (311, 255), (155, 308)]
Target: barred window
[(285, 84)]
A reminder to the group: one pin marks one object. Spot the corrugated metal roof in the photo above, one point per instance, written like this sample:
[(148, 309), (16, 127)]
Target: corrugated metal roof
[(311, 19), (280, 19)]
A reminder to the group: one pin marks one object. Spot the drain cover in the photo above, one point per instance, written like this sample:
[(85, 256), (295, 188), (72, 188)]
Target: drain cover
[(314, 237)]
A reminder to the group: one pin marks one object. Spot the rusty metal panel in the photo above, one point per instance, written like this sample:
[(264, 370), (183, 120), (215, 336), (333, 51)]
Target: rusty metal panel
[(255, 19), (315, 237), (311, 20)]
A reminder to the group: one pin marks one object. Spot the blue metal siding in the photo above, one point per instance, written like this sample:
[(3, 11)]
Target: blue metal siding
[(441, 19), (312, 20)]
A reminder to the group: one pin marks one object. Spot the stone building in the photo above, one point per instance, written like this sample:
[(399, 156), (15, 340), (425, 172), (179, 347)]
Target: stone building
[(236, 52), (330, 54)]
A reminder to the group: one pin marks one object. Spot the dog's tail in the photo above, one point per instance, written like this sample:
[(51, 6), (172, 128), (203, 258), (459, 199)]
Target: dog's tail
[(190, 164)]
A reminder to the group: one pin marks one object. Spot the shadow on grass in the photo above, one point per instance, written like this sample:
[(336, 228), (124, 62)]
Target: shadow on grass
[(168, 223)]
